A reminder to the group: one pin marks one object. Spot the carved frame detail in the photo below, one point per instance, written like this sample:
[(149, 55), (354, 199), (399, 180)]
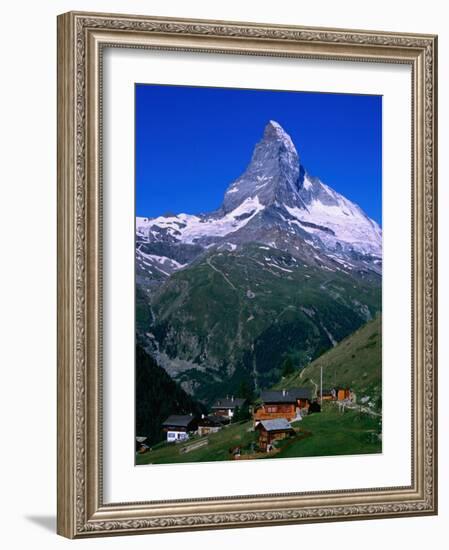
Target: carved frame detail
[(81, 38)]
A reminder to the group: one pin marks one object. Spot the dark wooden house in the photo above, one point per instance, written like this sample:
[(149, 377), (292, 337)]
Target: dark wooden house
[(273, 430), (227, 406), (210, 424), (179, 426)]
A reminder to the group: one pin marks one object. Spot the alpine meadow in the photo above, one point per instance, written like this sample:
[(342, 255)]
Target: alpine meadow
[(258, 318)]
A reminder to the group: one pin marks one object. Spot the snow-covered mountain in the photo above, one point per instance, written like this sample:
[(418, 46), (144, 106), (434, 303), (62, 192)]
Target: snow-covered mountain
[(274, 196), (286, 265)]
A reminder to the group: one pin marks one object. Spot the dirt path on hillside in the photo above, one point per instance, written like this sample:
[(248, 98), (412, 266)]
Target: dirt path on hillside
[(210, 264)]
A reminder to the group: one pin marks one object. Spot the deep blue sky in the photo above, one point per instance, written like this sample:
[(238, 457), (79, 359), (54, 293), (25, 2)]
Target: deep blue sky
[(191, 143)]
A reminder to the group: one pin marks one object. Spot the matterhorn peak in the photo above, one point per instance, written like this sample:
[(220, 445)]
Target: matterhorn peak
[(273, 173), (274, 131), (276, 193)]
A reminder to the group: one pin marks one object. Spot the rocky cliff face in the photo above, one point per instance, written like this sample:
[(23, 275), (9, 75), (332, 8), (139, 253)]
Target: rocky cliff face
[(274, 174)]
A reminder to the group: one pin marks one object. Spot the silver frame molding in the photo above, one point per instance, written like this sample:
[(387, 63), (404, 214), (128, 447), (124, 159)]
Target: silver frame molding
[(81, 38)]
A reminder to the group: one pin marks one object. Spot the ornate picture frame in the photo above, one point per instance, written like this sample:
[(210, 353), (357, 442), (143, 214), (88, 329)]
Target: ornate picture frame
[(82, 38)]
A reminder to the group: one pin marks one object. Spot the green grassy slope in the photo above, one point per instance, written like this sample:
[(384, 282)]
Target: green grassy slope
[(217, 449), (331, 433), (328, 433), (355, 362)]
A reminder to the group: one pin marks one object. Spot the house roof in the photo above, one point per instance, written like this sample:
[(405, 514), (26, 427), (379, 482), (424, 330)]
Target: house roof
[(228, 403), (182, 421), (211, 420), (286, 396), (276, 424)]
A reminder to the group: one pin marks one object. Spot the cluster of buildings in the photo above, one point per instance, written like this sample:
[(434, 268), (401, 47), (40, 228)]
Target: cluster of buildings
[(178, 427), (272, 415), (277, 409)]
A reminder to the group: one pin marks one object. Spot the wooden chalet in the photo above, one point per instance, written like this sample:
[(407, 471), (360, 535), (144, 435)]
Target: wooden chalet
[(329, 394), (225, 407), (273, 430), (210, 424), (282, 404), (179, 426)]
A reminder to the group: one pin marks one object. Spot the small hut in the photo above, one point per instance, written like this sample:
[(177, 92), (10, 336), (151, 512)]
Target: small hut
[(329, 394), (141, 444), (210, 424), (343, 394)]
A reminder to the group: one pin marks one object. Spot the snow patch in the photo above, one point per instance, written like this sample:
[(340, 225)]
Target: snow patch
[(188, 228), (347, 223)]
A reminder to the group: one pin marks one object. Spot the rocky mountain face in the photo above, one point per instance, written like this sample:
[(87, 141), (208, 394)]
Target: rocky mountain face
[(286, 266)]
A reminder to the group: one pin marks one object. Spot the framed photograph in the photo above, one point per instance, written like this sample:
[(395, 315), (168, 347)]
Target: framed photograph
[(246, 274)]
